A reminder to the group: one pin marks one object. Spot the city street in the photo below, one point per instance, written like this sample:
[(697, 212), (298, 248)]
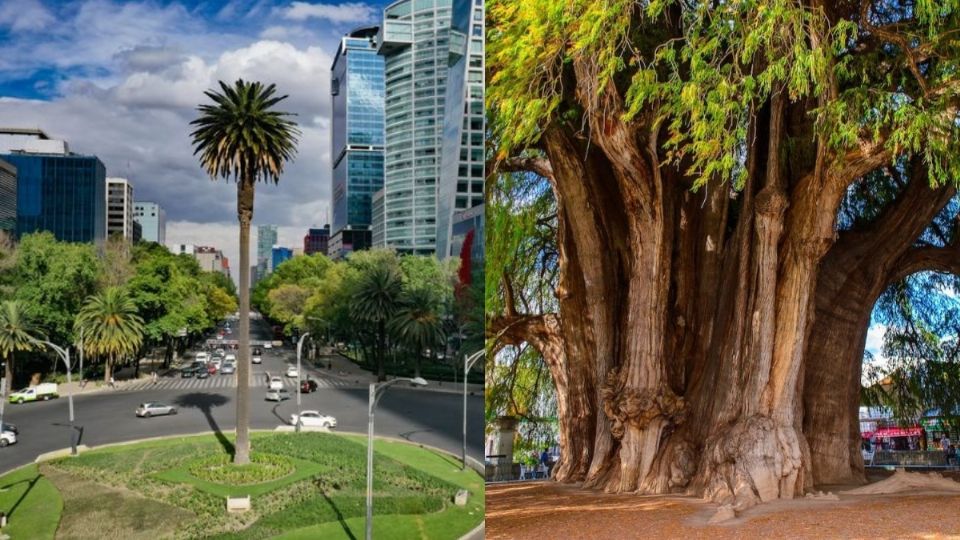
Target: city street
[(423, 416)]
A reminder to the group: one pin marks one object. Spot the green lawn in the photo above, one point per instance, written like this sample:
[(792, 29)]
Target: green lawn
[(324, 495), (31, 502)]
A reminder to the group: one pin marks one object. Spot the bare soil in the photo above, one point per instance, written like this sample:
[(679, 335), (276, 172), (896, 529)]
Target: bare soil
[(546, 510)]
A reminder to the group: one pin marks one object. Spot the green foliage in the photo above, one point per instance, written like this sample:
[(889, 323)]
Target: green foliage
[(108, 324), (241, 136), (219, 469)]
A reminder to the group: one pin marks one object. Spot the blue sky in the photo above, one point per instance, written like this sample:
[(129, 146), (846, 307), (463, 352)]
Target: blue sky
[(121, 80)]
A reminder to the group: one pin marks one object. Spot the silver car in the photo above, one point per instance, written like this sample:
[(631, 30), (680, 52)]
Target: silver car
[(228, 368), (146, 410), (278, 395)]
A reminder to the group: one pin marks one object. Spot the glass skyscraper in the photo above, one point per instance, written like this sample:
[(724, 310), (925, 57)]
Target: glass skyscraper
[(415, 43), (8, 200), (462, 154), (357, 89), (266, 238), (61, 193)]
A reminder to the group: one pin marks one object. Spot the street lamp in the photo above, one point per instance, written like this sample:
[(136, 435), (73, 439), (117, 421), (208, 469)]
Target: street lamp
[(468, 362), (65, 356), (376, 391), (299, 349)]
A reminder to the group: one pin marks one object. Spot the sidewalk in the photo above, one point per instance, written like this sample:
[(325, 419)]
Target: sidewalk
[(345, 368)]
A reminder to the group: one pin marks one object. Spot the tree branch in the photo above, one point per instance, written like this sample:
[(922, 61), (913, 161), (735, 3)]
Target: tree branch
[(536, 164)]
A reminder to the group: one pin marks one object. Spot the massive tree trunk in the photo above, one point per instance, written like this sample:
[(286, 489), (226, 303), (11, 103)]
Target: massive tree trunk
[(854, 273)]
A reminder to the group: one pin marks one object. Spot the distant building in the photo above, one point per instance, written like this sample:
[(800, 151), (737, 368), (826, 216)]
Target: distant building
[(280, 254), (357, 139), (137, 232), (266, 239), (57, 190), (316, 241), (346, 241), (254, 275), (8, 200), (153, 221), (377, 234), (120, 208), (209, 258)]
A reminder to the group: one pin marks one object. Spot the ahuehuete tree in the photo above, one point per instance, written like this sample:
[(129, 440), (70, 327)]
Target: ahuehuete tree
[(699, 155)]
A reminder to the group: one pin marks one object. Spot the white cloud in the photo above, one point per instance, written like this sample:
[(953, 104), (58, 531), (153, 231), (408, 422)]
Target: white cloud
[(874, 344), (24, 15), (350, 12)]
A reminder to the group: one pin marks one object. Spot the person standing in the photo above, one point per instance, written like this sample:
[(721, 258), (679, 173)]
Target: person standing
[(947, 450)]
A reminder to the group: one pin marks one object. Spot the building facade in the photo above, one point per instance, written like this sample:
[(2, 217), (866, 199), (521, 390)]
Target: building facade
[(462, 155), (120, 208), (280, 254), (8, 201), (266, 239), (346, 241), (377, 233), (153, 221), (415, 43), (65, 194), (316, 241), (209, 258), (357, 141), (467, 236)]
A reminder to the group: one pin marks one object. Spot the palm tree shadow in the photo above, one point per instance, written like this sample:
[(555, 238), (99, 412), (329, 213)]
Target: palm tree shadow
[(336, 510), (205, 403), (30, 484)]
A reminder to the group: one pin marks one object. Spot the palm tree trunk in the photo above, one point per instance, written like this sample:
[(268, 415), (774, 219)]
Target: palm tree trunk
[(10, 373), (106, 369), (245, 192)]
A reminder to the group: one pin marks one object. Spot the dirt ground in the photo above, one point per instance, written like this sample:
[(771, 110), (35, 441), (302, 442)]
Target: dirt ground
[(546, 511)]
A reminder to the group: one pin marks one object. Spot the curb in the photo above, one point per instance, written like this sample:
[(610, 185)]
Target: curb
[(477, 532)]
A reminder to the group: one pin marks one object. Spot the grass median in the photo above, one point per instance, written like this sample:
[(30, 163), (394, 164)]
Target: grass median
[(306, 484)]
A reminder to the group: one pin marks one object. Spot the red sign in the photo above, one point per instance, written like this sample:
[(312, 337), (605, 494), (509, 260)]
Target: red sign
[(886, 433)]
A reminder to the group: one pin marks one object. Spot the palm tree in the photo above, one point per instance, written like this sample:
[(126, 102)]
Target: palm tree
[(239, 136), (418, 324), (377, 301), (109, 326), (16, 334)]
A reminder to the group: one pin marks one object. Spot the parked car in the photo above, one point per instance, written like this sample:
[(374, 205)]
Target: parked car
[(292, 372), (228, 368), (307, 386), (279, 394), (276, 383), (154, 408), (7, 437), (313, 419), (40, 392)]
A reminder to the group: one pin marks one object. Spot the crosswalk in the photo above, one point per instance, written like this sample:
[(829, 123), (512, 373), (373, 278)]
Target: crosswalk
[(259, 380)]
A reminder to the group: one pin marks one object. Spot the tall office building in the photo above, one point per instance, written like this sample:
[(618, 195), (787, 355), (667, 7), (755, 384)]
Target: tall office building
[(153, 221), (280, 254), (266, 238), (316, 240), (57, 190), (120, 208), (415, 43), (462, 156), (377, 233), (8, 201), (357, 90)]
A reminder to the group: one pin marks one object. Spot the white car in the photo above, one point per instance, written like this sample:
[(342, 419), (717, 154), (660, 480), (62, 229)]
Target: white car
[(146, 410), (313, 419), (216, 362), (7, 437), (292, 372), (268, 345), (276, 383), (202, 357), (256, 359), (231, 357), (279, 394)]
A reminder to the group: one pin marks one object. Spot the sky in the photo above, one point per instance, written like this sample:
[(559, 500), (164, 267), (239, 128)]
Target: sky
[(121, 80)]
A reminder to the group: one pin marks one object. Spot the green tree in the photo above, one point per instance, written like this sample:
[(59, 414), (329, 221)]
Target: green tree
[(108, 326), (418, 325), (242, 136), (16, 333), (376, 301)]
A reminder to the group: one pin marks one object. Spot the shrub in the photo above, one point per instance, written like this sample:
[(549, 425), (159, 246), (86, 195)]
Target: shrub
[(263, 468)]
